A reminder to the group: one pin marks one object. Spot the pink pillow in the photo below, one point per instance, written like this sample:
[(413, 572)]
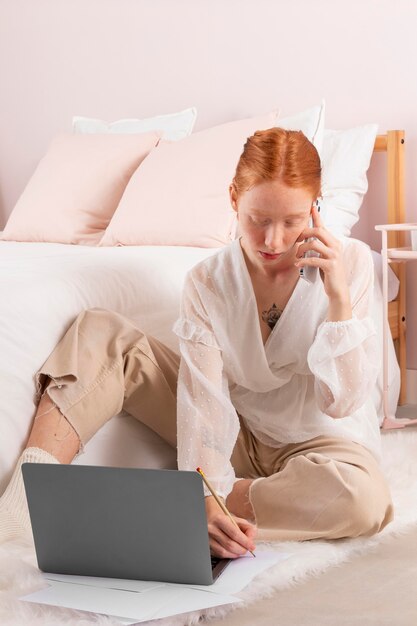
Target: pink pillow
[(76, 188), (180, 194)]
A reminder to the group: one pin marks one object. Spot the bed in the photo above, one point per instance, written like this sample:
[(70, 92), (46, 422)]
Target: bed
[(44, 285)]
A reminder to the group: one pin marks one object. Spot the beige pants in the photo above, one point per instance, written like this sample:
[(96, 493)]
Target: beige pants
[(321, 488)]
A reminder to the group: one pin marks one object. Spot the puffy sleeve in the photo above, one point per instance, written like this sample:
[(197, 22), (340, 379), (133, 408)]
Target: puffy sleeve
[(207, 422), (344, 355)]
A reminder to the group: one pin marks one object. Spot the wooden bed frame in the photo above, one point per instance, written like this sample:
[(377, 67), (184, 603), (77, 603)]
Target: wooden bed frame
[(393, 144)]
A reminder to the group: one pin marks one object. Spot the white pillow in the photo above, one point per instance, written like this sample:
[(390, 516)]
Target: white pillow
[(310, 121), (174, 126), (346, 156)]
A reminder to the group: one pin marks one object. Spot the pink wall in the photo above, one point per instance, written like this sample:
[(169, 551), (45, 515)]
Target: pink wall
[(230, 58)]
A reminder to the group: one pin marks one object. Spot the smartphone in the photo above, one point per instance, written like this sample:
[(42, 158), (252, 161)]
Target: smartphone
[(309, 273)]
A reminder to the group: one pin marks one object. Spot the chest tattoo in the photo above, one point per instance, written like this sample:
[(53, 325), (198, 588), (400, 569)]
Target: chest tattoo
[(271, 316)]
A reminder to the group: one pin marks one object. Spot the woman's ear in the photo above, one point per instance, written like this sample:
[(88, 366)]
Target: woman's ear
[(233, 197)]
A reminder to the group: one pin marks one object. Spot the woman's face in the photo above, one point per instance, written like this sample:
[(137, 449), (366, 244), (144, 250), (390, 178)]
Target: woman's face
[(271, 218)]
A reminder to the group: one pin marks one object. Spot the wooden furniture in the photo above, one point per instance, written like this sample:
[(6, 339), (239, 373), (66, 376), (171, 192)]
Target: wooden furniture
[(393, 144), (390, 255)]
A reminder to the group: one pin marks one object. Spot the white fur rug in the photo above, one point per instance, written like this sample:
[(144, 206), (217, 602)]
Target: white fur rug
[(19, 574)]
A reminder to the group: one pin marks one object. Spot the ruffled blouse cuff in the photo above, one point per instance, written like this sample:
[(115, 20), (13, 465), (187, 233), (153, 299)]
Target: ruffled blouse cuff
[(222, 487), (334, 339), (185, 329)]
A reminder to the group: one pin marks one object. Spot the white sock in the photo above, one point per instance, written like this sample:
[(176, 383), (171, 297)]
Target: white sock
[(14, 513)]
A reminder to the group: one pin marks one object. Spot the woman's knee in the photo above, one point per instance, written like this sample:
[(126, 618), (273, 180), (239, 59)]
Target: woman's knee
[(99, 319), (108, 330), (369, 507)]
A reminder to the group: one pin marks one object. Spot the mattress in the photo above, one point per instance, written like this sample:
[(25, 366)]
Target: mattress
[(43, 287)]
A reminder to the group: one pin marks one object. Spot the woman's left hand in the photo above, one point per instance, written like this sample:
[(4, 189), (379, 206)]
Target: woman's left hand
[(330, 263)]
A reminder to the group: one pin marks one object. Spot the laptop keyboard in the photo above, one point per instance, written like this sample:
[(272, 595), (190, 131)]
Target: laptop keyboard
[(214, 561)]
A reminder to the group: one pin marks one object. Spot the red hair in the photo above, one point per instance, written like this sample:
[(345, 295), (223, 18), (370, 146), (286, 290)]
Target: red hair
[(278, 154)]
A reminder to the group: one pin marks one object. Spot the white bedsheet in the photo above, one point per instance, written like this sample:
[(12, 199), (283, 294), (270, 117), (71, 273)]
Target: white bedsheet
[(43, 287)]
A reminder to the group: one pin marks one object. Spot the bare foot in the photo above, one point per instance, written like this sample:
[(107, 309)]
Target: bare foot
[(238, 500)]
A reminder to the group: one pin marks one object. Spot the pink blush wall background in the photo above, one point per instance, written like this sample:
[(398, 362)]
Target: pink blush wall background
[(230, 58)]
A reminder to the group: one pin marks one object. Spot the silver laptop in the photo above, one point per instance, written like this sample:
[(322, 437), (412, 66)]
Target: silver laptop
[(140, 524)]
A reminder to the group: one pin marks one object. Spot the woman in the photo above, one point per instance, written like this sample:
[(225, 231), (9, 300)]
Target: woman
[(273, 385)]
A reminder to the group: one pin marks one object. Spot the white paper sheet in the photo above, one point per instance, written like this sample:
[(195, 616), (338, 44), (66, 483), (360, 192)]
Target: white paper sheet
[(108, 583), (134, 601), (139, 606), (241, 571)]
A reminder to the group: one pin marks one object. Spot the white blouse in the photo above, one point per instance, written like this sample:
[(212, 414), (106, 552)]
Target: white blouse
[(312, 377)]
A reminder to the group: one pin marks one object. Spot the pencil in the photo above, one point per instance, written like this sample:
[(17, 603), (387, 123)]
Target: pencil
[(218, 500)]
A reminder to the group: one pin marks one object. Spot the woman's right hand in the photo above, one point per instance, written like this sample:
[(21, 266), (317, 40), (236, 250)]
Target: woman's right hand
[(226, 540)]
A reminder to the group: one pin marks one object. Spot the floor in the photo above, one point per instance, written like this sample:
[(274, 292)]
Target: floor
[(378, 589)]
